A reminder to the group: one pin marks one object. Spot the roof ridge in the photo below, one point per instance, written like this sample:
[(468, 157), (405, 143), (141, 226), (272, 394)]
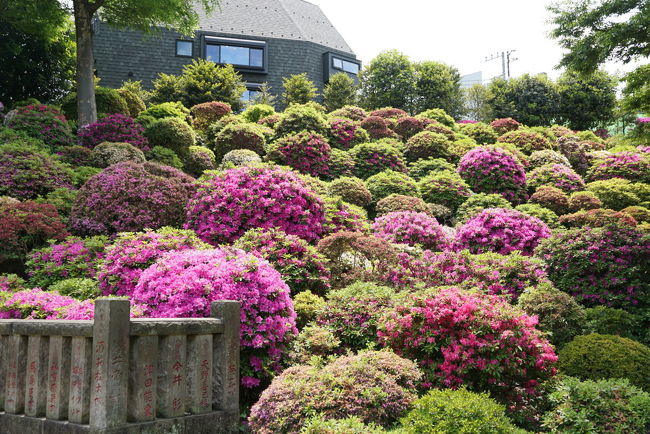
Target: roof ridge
[(295, 23)]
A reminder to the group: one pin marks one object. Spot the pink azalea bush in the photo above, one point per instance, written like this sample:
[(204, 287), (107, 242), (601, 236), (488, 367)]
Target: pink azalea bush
[(302, 267), (133, 252), (412, 228), (229, 203), (606, 265), (44, 123), (501, 231), (469, 339), (38, 304), (184, 284), (555, 175), (131, 196), (627, 165), (306, 152), (343, 216), (73, 257), (113, 128), (489, 169), (345, 133)]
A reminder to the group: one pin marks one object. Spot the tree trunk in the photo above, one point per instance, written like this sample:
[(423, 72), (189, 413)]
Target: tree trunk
[(86, 106)]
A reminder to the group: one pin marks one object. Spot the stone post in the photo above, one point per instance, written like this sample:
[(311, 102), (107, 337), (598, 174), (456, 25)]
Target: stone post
[(172, 376), (80, 368), (225, 378), (110, 364), (199, 373), (15, 387), (36, 382), (4, 356), (143, 378), (58, 378)]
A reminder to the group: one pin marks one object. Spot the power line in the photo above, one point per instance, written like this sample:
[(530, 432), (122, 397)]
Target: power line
[(506, 60)]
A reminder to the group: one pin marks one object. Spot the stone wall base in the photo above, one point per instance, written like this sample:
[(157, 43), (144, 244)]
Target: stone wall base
[(216, 422)]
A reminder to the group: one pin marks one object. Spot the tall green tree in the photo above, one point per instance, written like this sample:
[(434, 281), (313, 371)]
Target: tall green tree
[(477, 107), (532, 100), (437, 85), (388, 80), (341, 90), (594, 31), (636, 93), (298, 89), (586, 101), (145, 15)]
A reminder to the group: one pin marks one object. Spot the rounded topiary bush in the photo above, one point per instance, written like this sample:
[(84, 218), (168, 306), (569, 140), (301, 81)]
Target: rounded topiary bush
[(164, 156), (239, 136), (71, 258), (596, 357), (351, 190), (438, 115), (81, 288), (301, 266), (639, 213), (489, 169), (399, 202), (599, 265), (442, 129), (504, 125), (297, 118), (611, 321), (378, 128), (472, 339), (228, 204), (552, 198), (184, 284), (407, 126), (26, 173), (583, 200), (555, 175), (483, 134), (412, 228), (349, 425), (477, 203), (372, 158), (172, 133), (109, 153), (198, 160), (444, 188), (388, 182), (75, 155), (421, 168), (350, 112), (544, 214), (376, 386), (130, 196), (116, 128), (256, 112), (306, 152), (559, 314), (526, 140), (597, 218), (617, 193), (627, 165), (208, 112), (343, 216), (133, 252), (240, 157), (163, 110), (547, 156), (457, 411), (501, 231), (345, 133), (427, 144), (307, 304), (598, 407), (389, 113), (133, 101), (107, 100), (44, 123)]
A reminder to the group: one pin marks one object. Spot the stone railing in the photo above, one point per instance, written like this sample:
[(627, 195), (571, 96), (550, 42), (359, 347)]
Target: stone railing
[(121, 375)]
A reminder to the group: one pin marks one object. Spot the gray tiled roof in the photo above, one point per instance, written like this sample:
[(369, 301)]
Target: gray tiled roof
[(285, 19)]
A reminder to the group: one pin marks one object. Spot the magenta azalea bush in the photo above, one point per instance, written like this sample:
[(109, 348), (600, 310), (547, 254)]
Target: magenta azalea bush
[(130, 196), (469, 339), (229, 203), (343, 216), (412, 228), (555, 175), (501, 231), (70, 258), (606, 265), (133, 252), (113, 128), (38, 304), (489, 169), (346, 133), (627, 165), (184, 284), (306, 152), (44, 123), (301, 266)]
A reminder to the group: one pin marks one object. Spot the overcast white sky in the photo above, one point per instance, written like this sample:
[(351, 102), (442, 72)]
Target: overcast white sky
[(460, 33)]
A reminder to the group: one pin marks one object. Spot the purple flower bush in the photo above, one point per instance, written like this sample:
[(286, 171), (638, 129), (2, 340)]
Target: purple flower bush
[(44, 123), (412, 228), (489, 169), (343, 216), (606, 265), (502, 231), (27, 172), (228, 204), (306, 152), (130, 196), (73, 257), (38, 304), (184, 284), (301, 266), (627, 165), (346, 133), (133, 252), (372, 158), (555, 175), (113, 128)]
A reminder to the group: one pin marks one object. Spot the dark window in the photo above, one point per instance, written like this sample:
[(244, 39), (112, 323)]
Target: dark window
[(237, 55), (184, 48), (249, 94), (345, 65)]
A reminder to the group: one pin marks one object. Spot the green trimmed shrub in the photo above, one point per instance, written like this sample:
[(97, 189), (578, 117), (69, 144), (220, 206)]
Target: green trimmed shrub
[(165, 156), (421, 168), (399, 202), (172, 133), (597, 407), (375, 157), (108, 153), (617, 193), (458, 412), (596, 357), (198, 160), (552, 198), (208, 112), (641, 214), (611, 321), (350, 112), (444, 188), (351, 190), (350, 425), (544, 214), (312, 342), (256, 112), (439, 115), (482, 133), (341, 164), (240, 157), (239, 136), (388, 182), (527, 141), (427, 144), (62, 198), (133, 102), (108, 101), (306, 304), (546, 156), (583, 200), (477, 203), (441, 129), (161, 111), (77, 287), (297, 118), (559, 314)]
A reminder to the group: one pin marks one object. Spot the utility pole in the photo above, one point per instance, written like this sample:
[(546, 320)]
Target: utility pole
[(505, 62)]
